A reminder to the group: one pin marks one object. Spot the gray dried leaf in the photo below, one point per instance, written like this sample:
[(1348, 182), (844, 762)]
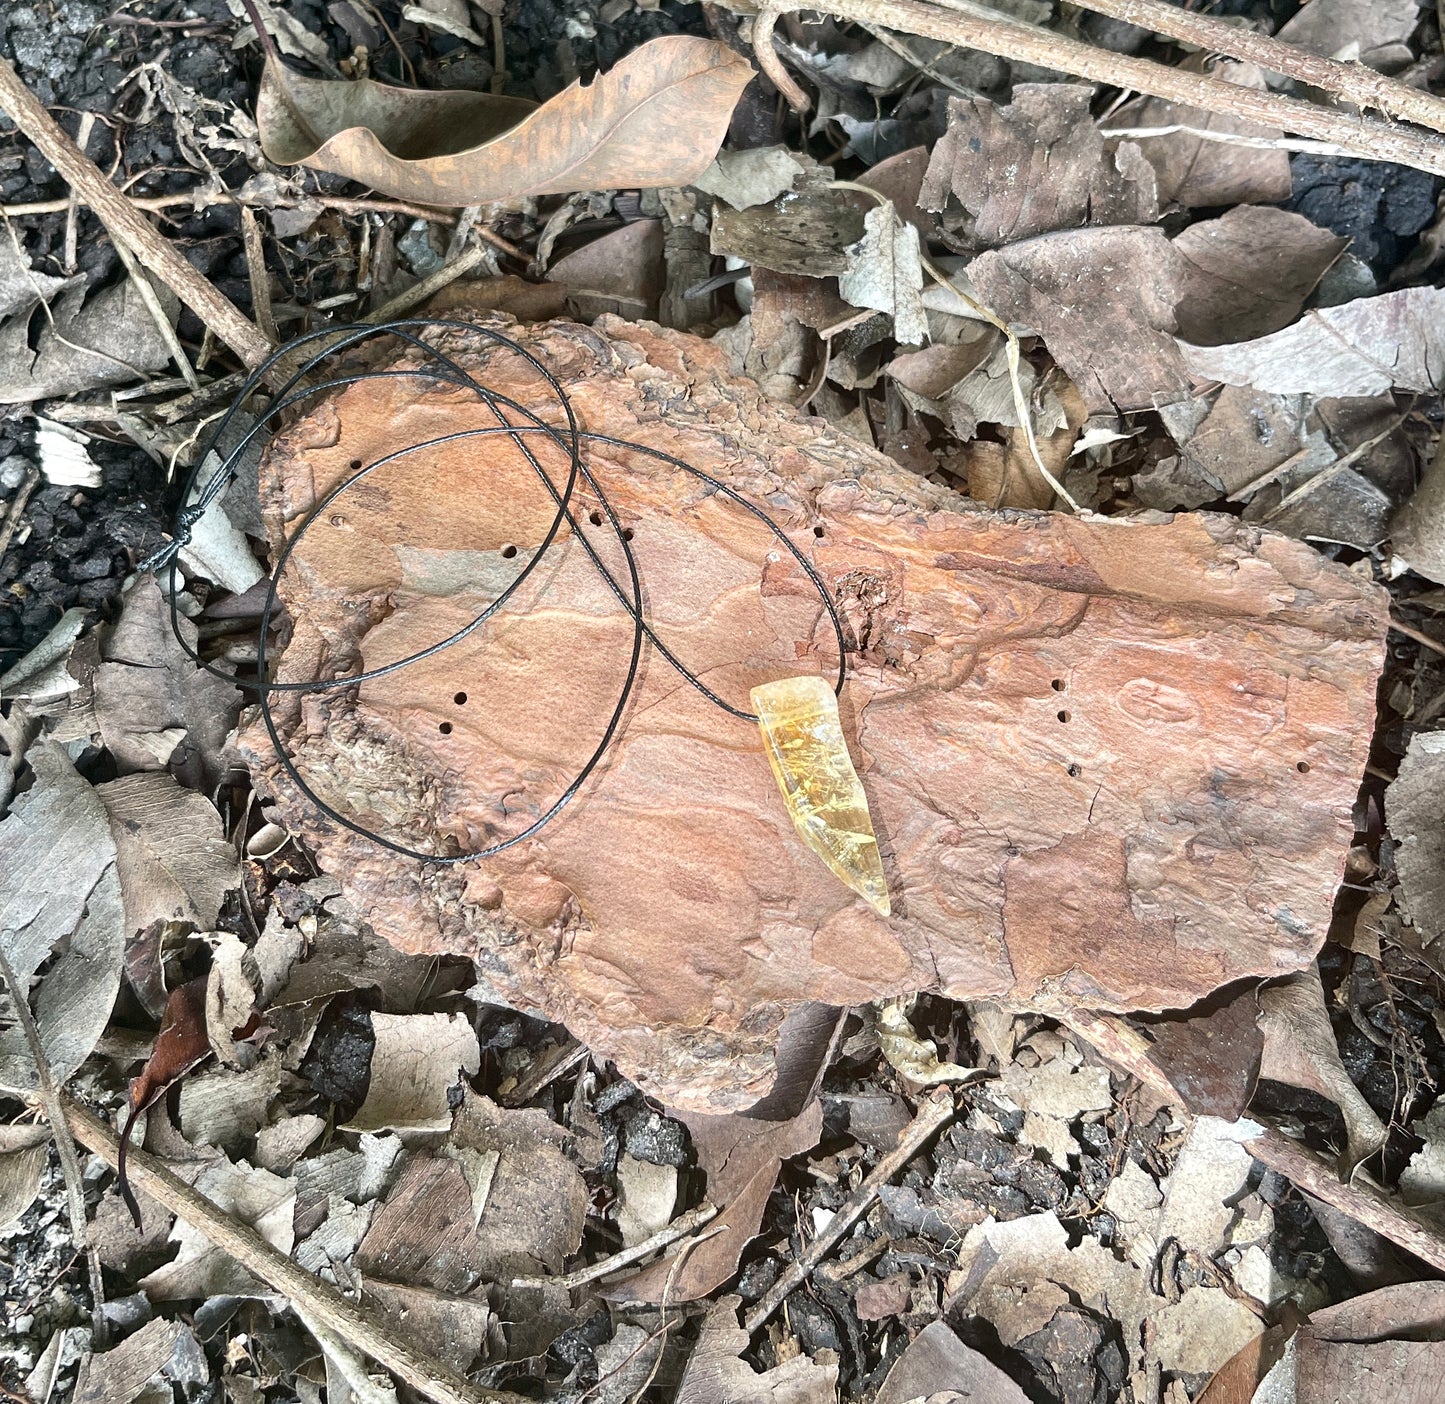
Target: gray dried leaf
[(716, 1373), (200, 1269), (416, 1061), (807, 232), (936, 1361), (59, 889), (1351, 28), (85, 343), (1248, 273), (1365, 347), (885, 272), (24, 1151), (1415, 813), (174, 862), (1103, 300), (159, 1350), (21, 286), (154, 706), (747, 178), (1035, 166)]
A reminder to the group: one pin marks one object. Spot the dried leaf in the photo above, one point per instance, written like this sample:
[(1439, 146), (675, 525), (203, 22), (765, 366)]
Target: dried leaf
[(1201, 172), (655, 119), (153, 704), (200, 1269), (417, 1060), (1351, 28), (741, 1158), (59, 890), (173, 861), (621, 273), (885, 272), (935, 1361), (160, 1349), (807, 233), (747, 178), (24, 1152), (1035, 166), (82, 344), (717, 1374), (1211, 1055), (1365, 347), (1300, 1049), (1415, 813), (648, 1195), (1248, 273), (1103, 301)]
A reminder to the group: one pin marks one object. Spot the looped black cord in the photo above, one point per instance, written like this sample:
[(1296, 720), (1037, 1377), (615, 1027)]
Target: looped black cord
[(566, 437)]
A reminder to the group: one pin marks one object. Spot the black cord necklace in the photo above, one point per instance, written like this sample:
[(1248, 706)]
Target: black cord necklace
[(793, 739)]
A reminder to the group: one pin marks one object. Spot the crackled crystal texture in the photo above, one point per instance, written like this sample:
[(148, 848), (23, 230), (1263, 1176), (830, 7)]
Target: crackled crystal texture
[(805, 745)]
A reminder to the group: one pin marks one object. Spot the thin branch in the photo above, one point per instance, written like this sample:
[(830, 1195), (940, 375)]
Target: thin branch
[(1365, 137), (680, 1227), (318, 1300), (1352, 81), (126, 224), (50, 1102), (1357, 1199), (936, 1111)]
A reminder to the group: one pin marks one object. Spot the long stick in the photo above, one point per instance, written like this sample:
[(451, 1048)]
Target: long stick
[(1365, 137), (1353, 81), (318, 1299), (126, 224)]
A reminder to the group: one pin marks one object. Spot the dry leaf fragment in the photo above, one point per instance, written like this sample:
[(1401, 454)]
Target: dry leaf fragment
[(1415, 813), (1205, 171), (1351, 28), (200, 1269), (59, 891), (167, 1349), (916, 1058), (416, 1061), (741, 1157), (24, 1151), (173, 861), (648, 1197), (1300, 1049), (1103, 301), (1248, 273), (622, 273), (754, 177), (885, 272), (655, 119), (1393, 341), (935, 1361), (806, 232), (717, 1374), (83, 344), (1035, 166)]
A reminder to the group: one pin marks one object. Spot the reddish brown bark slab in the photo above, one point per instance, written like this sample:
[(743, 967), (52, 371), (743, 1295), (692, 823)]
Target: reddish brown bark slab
[(1110, 763)]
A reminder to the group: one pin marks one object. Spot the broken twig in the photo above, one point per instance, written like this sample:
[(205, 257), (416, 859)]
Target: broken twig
[(1352, 81), (126, 224), (316, 1299), (1368, 138), (935, 1112), (1359, 1201)]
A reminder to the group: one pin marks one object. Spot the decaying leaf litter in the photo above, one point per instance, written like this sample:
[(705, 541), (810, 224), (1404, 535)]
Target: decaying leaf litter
[(1009, 281)]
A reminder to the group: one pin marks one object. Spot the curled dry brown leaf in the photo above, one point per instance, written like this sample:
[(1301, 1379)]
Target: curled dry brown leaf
[(655, 119)]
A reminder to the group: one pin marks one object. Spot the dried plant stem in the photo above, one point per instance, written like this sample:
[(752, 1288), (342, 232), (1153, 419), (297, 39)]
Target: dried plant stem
[(127, 225), (140, 280), (256, 275), (680, 1227), (1364, 137), (1359, 1200), (1352, 81), (16, 509), (50, 1101), (936, 1111), (429, 286), (317, 1300)]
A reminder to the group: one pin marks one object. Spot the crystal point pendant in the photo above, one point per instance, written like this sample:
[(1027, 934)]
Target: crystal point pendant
[(805, 745)]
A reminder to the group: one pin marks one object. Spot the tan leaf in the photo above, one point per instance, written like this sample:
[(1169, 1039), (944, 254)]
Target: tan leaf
[(655, 119), (174, 863), (413, 1066)]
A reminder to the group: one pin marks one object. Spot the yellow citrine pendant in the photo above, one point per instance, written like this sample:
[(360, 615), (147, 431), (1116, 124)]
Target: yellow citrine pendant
[(805, 745)]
